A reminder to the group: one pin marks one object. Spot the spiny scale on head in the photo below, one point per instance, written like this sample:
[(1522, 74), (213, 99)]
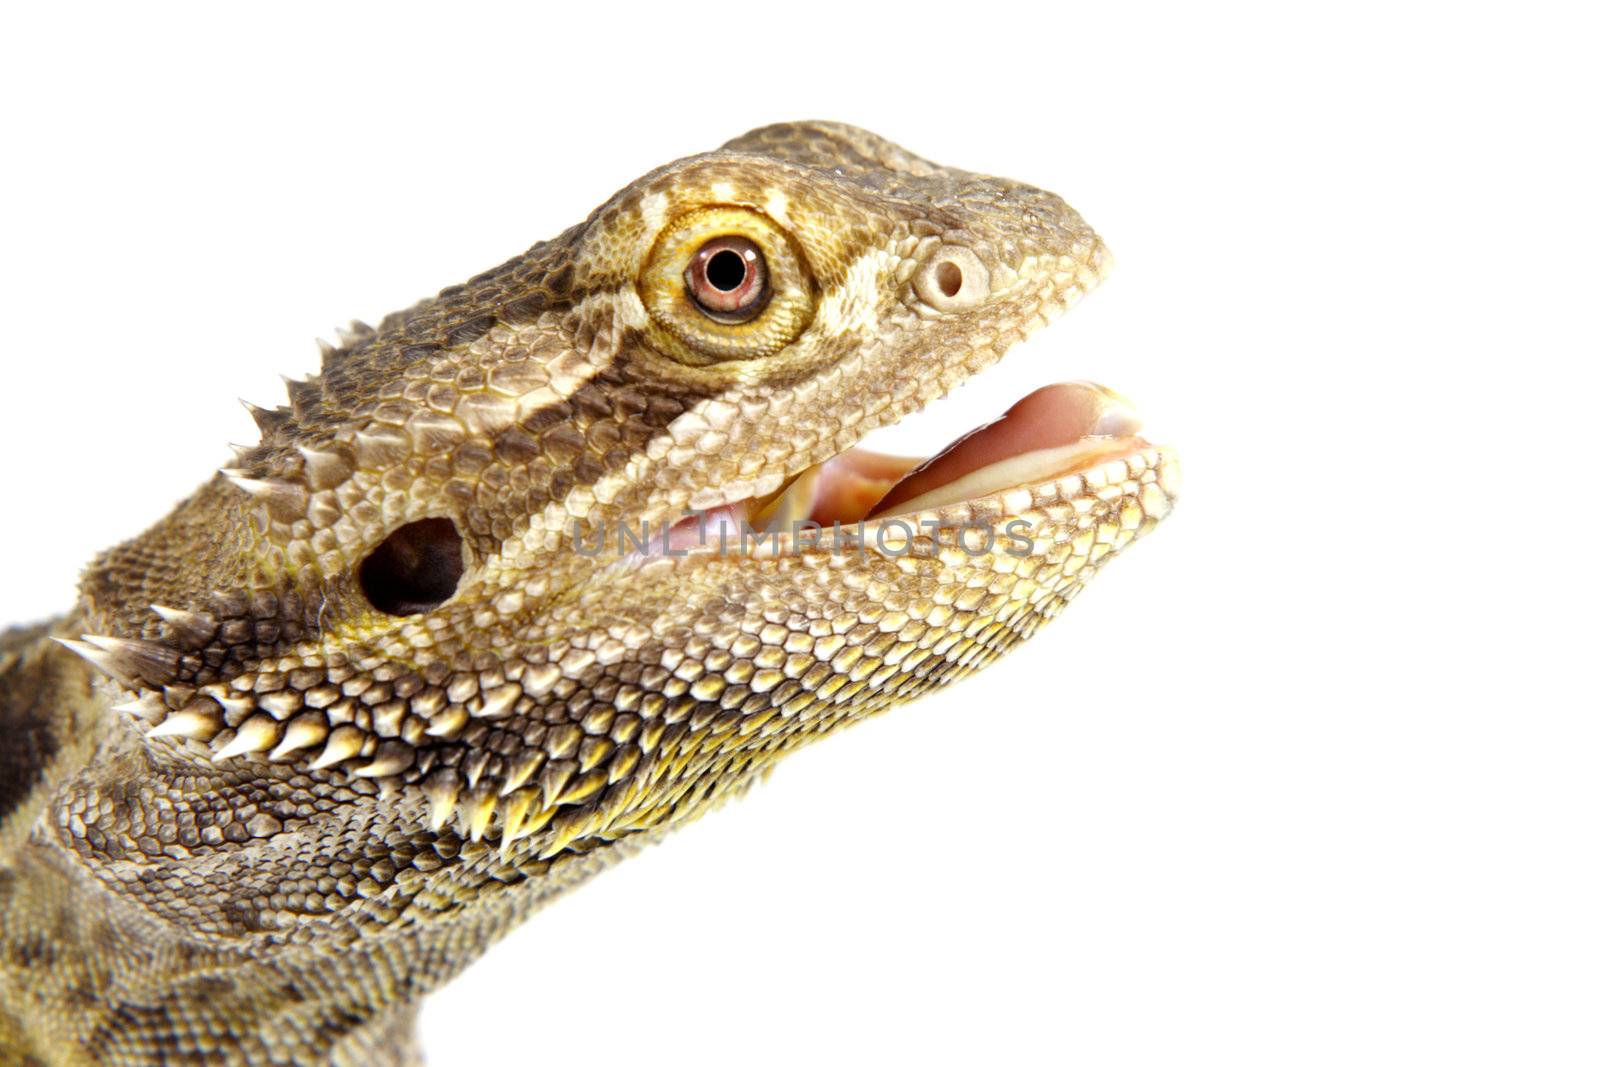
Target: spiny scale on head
[(326, 468), (133, 663), (269, 421), (200, 721), (354, 334), (343, 743), (148, 706), (192, 629), (256, 734), (284, 500), (302, 732), (304, 394)]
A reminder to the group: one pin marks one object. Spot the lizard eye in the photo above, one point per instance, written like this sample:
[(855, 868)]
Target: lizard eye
[(725, 283), (727, 278)]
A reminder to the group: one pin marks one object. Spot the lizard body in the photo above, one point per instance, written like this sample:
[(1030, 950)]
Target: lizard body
[(440, 646)]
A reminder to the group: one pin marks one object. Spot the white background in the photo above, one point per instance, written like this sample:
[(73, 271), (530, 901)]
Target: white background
[(1310, 777)]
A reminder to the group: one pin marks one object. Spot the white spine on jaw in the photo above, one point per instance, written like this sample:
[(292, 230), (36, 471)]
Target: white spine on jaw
[(952, 278)]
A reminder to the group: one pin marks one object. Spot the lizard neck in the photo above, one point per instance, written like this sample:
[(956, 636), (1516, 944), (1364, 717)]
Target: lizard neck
[(117, 962), (156, 909)]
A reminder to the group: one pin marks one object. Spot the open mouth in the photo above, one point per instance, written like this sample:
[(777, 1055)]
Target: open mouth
[(1053, 433)]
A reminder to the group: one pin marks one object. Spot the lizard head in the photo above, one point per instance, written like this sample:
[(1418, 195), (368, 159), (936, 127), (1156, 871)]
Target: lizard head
[(479, 568)]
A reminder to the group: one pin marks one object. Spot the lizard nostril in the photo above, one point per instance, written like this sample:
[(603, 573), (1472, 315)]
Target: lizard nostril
[(951, 279), (949, 276), (415, 569)]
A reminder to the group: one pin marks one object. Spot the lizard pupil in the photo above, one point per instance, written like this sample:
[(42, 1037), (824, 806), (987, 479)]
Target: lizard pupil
[(415, 569), (727, 279), (725, 270)]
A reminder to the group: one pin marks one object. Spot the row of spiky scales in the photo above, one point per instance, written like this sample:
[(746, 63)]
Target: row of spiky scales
[(284, 493), (562, 787)]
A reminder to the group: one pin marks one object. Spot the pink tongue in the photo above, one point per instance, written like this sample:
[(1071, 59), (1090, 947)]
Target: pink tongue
[(1051, 417)]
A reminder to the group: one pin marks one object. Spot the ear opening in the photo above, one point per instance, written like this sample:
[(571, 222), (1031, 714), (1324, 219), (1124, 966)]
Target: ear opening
[(415, 569)]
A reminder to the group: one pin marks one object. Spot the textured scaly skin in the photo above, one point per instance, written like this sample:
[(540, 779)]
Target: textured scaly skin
[(275, 817)]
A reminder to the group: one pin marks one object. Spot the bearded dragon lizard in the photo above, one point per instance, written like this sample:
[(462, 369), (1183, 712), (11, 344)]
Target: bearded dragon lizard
[(468, 624)]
